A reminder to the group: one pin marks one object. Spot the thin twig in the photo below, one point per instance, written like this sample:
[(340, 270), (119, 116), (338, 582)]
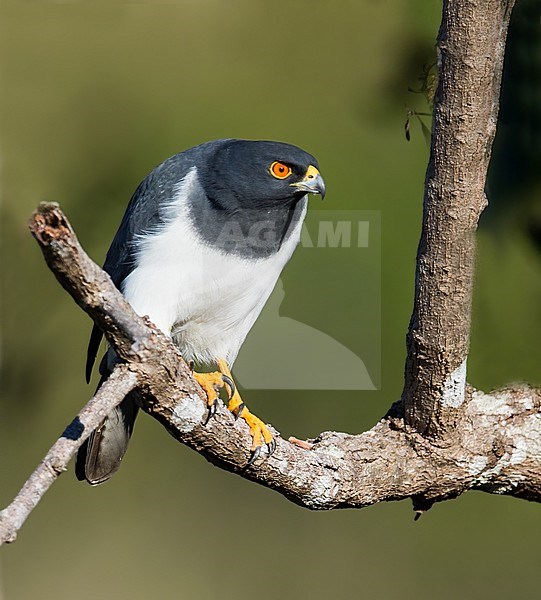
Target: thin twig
[(121, 382)]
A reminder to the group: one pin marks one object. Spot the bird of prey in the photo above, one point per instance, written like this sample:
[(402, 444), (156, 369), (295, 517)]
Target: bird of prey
[(199, 250)]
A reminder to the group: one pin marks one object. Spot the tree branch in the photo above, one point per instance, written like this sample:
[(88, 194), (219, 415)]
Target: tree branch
[(494, 443), (496, 448), (471, 48), (121, 382)]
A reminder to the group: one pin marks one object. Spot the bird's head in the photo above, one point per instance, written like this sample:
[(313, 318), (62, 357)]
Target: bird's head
[(248, 174)]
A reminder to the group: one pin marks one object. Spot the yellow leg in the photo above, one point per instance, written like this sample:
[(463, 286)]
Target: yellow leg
[(258, 430), (210, 382)]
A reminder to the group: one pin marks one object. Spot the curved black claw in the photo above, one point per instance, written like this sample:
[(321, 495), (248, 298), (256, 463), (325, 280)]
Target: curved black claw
[(254, 456), (230, 384), (239, 409), (271, 446), (212, 411)]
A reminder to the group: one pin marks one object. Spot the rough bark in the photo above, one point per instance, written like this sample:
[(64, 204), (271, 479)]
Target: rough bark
[(489, 442), (471, 48)]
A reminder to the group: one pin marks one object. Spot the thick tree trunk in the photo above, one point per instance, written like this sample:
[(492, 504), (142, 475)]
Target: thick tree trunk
[(471, 47)]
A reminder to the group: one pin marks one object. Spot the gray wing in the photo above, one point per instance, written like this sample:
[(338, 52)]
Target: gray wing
[(101, 454), (143, 214)]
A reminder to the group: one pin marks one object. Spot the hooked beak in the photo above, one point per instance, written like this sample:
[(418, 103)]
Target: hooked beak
[(312, 183)]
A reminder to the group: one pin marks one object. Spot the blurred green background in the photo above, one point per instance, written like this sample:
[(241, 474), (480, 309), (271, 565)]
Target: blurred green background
[(92, 97)]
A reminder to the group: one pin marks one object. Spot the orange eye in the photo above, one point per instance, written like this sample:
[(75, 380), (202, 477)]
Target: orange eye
[(279, 170)]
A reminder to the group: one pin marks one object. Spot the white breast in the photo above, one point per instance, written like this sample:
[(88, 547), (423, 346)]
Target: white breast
[(207, 300)]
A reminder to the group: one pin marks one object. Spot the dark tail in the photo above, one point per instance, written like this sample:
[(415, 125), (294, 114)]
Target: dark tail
[(100, 456)]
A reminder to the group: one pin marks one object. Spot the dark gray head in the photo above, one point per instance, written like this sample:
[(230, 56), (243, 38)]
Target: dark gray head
[(252, 194), (257, 174)]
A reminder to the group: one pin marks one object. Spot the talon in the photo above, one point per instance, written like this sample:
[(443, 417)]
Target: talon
[(271, 446), (238, 410), (254, 456), (212, 409), (230, 384)]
